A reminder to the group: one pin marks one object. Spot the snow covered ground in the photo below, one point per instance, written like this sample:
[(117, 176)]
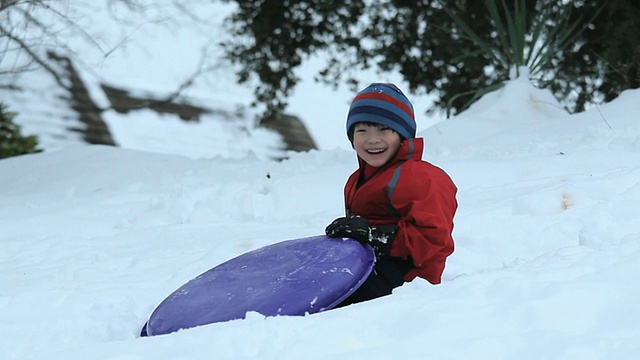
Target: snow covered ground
[(547, 237)]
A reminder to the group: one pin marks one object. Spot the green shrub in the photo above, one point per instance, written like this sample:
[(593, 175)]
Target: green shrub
[(521, 39), (12, 143)]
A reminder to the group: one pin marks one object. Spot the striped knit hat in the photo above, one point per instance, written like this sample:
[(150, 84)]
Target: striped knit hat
[(385, 104)]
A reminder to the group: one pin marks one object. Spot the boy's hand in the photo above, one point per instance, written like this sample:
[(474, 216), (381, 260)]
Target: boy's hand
[(355, 227), (359, 228)]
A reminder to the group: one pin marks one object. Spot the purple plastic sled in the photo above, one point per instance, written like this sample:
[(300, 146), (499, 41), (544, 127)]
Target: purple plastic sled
[(293, 277)]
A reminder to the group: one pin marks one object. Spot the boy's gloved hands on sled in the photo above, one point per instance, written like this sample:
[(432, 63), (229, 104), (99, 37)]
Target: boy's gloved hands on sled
[(359, 228)]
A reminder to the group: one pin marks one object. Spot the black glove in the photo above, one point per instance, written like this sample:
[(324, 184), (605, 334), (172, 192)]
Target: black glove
[(359, 228), (355, 227)]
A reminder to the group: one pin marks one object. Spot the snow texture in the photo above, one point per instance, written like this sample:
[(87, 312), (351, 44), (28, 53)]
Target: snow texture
[(547, 241)]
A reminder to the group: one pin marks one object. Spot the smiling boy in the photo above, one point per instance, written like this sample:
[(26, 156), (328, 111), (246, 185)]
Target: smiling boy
[(396, 202)]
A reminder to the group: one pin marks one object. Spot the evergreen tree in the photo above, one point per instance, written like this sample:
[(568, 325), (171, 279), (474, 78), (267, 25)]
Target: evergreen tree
[(451, 48), (12, 143)]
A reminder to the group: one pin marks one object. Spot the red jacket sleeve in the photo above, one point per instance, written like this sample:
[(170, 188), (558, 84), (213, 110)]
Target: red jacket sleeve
[(425, 198)]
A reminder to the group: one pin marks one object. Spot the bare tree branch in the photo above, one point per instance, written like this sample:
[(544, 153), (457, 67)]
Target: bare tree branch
[(6, 3), (200, 70), (30, 37), (35, 57)]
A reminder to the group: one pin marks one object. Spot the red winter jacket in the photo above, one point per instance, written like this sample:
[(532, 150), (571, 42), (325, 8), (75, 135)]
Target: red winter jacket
[(418, 197)]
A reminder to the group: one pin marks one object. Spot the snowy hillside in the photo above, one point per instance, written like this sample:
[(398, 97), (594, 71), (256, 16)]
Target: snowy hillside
[(93, 238), (545, 267)]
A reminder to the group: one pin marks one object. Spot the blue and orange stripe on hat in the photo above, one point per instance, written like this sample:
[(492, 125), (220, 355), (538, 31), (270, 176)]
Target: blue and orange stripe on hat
[(385, 104)]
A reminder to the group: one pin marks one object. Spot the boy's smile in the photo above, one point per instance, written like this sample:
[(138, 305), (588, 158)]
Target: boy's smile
[(376, 144)]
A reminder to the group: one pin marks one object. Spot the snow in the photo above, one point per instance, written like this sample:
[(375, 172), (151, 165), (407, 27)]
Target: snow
[(547, 240)]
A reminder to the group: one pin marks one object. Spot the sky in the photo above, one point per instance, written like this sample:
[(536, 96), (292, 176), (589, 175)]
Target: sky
[(547, 239)]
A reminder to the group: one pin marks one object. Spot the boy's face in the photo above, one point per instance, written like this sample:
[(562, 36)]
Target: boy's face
[(375, 143)]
